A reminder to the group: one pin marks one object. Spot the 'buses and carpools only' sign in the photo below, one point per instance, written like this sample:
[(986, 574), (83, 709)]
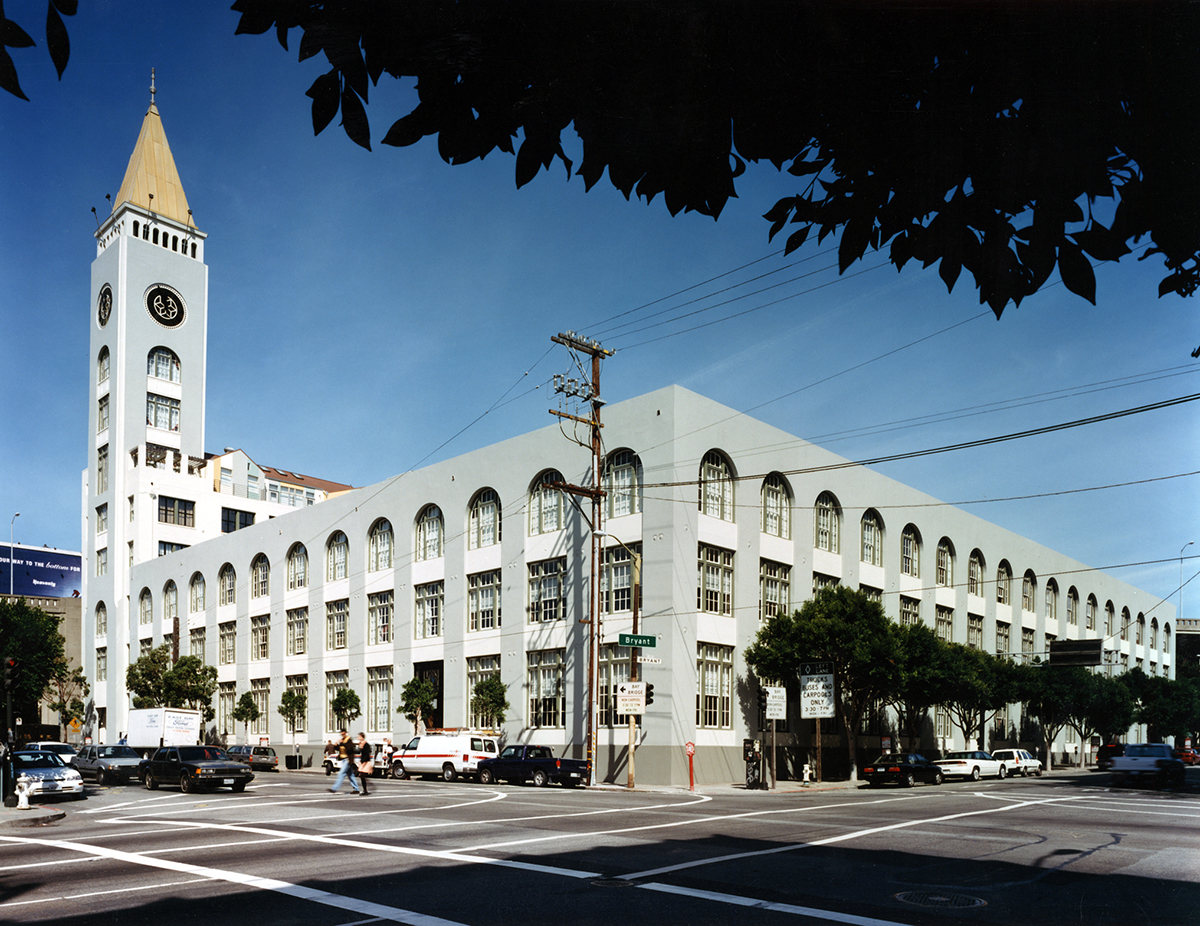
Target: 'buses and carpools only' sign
[(816, 690), (36, 572)]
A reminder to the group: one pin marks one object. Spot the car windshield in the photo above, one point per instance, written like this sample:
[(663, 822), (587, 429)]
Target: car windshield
[(960, 755), (890, 760), (37, 760), (117, 752), (61, 748), (200, 754)]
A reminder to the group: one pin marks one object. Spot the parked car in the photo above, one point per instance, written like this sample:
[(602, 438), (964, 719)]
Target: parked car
[(902, 769), (1106, 754), (47, 773), (447, 754), (108, 764), (532, 763), (255, 756), (65, 751), (1019, 762), (973, 764), (1187, 755), (196, 768)]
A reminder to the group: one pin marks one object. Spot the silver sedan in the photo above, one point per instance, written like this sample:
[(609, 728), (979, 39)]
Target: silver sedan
[(47, 774)]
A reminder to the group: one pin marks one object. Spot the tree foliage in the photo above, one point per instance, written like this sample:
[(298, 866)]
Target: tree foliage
[(246, 712), (417, 698), (346, 707), (57, 43), (974, 684), (155, 682), (1004, 140), (31, 636), (65, 693), (922, 677), (489, 701)]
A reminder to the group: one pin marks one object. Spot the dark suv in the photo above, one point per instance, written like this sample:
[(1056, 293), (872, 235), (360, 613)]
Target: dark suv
[(255, 756)]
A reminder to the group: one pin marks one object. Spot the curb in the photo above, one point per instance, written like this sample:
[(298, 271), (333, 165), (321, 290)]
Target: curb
[(36, 816)]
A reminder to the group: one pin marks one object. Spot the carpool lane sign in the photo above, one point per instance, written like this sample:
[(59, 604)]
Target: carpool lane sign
[(816, 690)]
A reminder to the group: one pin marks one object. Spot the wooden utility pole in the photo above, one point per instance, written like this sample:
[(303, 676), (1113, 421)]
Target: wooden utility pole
[(588, 392)]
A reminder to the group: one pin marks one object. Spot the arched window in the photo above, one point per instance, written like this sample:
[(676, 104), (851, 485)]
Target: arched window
[(136, 228), (945, 563), (546, 504), (1029, 591), (145, 607), (910, 552), (297, 566), (101, 620), (260, 576), (827, 522), (1140, 632), (379, 546), (162, 363), (1126, 620), (1051, 600), (1073, 607), (196, 594), (1004, 583), (1153, 632), (337, 554), (975, 574), (872, 539), (226, 585), (1166, 639), (623, 483), (102, 366), (1110, 617), (483, 527), (430, 529), (170, 606), (776, 507), (716, 486)]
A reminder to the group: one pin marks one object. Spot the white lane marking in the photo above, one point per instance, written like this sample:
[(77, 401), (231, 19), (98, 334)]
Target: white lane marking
[(67, 898), (814, 912), (340, 902), (53, 862), (830, 840)]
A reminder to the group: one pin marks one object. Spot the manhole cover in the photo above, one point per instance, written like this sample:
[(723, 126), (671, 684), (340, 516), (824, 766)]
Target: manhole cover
[(612, 882), (941, 899)]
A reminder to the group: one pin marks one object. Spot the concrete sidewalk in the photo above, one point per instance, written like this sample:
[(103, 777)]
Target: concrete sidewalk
[(36, 815)]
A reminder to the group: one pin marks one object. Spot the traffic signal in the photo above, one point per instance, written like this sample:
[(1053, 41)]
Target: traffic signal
[(10, 672), (649, 693), (762, 699)]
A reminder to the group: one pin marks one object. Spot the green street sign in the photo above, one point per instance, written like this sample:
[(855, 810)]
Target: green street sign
[(629, 639)]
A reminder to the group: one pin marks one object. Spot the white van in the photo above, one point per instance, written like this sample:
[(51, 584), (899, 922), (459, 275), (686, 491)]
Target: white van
[(445, 754)]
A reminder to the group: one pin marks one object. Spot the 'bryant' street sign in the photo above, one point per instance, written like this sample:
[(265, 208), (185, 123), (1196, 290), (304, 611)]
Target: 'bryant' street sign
[(629, 639)]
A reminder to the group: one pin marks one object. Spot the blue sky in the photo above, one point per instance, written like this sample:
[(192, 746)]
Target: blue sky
[(365, 307)]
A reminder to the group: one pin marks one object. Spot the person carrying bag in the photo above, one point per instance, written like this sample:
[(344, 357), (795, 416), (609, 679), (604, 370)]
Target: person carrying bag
[(366, 763)]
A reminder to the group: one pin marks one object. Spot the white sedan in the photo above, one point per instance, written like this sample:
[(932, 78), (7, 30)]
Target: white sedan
[(973, 764), (1019, 762), (47, 774)]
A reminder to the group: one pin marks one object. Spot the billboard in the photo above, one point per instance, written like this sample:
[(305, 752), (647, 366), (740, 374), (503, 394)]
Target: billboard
[(39, 572)]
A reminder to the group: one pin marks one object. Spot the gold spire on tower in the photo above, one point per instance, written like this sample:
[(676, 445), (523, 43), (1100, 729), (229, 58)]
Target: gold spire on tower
[(151, 180)]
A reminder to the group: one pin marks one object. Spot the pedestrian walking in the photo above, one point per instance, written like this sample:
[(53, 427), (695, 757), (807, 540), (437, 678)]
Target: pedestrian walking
[(366, 763), (346, 765)]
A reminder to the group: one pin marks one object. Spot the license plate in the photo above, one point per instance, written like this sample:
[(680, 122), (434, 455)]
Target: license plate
[(50, 786), (574, 774), (227, 781)]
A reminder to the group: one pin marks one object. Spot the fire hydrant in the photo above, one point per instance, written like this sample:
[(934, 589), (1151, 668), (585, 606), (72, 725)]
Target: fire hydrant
[(807, 772), (22, 793)]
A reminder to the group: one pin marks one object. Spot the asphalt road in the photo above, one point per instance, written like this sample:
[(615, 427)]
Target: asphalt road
[(1059, 849)]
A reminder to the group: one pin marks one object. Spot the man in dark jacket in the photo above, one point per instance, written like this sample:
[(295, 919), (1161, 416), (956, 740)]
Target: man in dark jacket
[(346, 764)]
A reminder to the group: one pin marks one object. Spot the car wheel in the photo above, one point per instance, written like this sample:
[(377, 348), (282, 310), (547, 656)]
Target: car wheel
[(151, 782), (485, 776), (448, 772), (975, 776), (238, 787), (938, 778), (100, 778), (540, 778), (185, 783), (398, 771), (909, 781), (1003, 772)]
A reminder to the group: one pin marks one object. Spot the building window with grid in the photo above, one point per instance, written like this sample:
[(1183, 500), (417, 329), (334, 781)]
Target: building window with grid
[(872, 540), (161, 363), (1002, 639), (299, 685), (102, 664), (547, 590), (162, 412), (1027, 643), (546, 504), (613, 669), (334, 682), (102, 470), (297, 631), (145, 607), (1109, 619), (1003, 584), (478, 669), (616, 578), (820, 582), (227, 643), (1072, 606), (336, 613), (1051, 601), (483, 601), (716, 486), (714, 686), (943, 624), (170, 604), (260, 691), (910, 611), (226, 693), (379, 699), (168, 641), (101, 620), (226, 586), (102, 414), (145, 647), (1139, 630), (975, 631), (827, 523), (179, 511), (297, 567), (623, 483), (874, 594), (260, 577), (1089, 613), (1028, 592), (197, 639), (379, 546), (101, 519), (945, 564), (941, 723), (102, 562), (196, 594), (380, 611), (427, 612), (483, 521), (774, 588), (1153, 632), (547, 692), (975, 574), (337, 555), (714, 588), (260, 637), (234, 520), (1125, 622), (776, 507), (131, 553), (103, 366), (910, 552), (430, 528), (165, 548)]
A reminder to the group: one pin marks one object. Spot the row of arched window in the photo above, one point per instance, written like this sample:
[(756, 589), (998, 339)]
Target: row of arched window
[(146, 233), (161, 363)]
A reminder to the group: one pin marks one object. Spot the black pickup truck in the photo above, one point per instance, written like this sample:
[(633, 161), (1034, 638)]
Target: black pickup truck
[(532, 763)]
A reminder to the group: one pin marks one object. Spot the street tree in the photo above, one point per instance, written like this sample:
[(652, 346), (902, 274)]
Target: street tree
[(976, 686), (65, 693), (146, 678), (489, 702), (30, 636), (922, 681), (293, 705), (847, 628), (155, 682), (1005, 141), (1084, 708), (1046, 695), (346, 707), (1113, 708), (246, 712), (417, 698)]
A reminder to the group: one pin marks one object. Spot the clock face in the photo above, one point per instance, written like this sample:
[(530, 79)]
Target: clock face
[(165, 305), (104, 305)]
